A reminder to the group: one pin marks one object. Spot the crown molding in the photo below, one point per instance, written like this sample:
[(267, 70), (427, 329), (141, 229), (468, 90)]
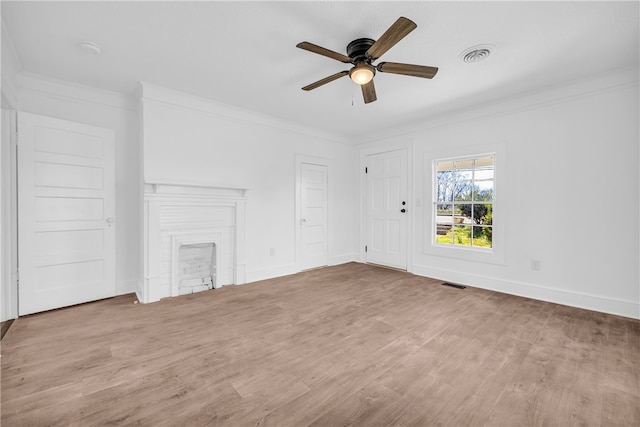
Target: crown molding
[(622, 78), (74, 92), (10, 68), (148, 91)]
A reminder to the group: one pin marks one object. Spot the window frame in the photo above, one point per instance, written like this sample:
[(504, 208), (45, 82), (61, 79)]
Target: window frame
[(472, 202), (495, 255)]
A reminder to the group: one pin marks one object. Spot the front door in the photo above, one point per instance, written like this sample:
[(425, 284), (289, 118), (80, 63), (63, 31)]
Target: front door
[(66, 213), (312, 221), (387, 208)]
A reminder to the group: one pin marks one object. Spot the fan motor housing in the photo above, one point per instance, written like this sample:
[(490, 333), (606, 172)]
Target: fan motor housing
[(358, 48)]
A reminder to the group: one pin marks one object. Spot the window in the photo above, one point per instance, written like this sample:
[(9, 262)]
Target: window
[(463, 200)]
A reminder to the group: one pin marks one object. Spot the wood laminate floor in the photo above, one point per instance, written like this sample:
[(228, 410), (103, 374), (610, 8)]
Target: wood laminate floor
[(347, 345)]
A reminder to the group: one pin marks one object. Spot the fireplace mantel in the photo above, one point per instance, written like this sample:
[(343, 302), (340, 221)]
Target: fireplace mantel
[(184, 188), (184, 208)]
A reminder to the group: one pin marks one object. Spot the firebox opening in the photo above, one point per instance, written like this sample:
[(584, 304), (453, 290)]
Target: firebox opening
[(196, 268)]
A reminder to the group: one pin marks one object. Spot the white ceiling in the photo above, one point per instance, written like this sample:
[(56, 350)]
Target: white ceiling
[(244, 54)]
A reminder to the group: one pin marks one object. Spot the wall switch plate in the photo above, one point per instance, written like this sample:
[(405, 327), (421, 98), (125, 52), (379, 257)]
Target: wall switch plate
[(535, 264)]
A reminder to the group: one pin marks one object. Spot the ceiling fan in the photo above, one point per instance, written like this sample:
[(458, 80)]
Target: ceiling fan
[(363, 52)]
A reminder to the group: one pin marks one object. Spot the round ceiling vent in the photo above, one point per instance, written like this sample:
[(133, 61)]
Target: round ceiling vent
[(91, 47), (477, 53)]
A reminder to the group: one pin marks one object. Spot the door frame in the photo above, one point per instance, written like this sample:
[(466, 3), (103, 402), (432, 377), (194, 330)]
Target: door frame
[(9, 215), (320, 161), (406, 145)]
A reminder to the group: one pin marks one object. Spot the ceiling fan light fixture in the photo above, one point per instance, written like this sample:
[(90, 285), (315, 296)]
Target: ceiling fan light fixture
[(362, 73), (363, 52)]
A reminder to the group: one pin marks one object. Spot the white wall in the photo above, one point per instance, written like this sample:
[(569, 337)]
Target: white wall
[(40, 95), (187, 139), (568, 188)]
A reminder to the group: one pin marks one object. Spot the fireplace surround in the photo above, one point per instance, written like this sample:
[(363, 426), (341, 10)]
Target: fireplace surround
[(177, 214)]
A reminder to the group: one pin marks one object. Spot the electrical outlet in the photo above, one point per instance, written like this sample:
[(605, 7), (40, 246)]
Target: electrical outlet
[(535, 264)]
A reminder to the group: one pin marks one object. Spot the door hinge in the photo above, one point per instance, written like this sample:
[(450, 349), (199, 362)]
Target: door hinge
[(365, 248), (366, 170)]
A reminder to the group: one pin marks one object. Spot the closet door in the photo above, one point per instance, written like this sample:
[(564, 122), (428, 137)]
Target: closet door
[(313, 230), (66, 213)]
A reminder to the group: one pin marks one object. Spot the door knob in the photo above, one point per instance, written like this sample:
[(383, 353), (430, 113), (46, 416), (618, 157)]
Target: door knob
[(403, 210), (110, 220)]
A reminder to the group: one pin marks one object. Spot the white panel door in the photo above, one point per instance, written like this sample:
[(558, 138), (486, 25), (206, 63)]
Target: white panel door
[(66, 211), (387, 209), (313, 216)]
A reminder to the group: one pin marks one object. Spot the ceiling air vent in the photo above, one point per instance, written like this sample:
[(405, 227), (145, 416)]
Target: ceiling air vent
[(477, 53), (91, 47)]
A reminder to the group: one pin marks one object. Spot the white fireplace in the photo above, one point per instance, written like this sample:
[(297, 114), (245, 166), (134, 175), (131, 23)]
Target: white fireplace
[(177, 215)]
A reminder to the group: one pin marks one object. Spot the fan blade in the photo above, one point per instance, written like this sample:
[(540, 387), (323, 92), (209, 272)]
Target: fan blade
[(325, 52), (407, 69), (369, 92), (325, 80), (393, 35)]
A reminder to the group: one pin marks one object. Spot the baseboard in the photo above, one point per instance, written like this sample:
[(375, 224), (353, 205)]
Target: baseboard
[(4, 327), (138, 291), (287, 269), (342, 259), (270, 273), (573, 299)]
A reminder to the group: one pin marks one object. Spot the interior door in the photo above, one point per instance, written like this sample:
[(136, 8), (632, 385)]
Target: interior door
[(312, 219), (66, 211), (387, 208)]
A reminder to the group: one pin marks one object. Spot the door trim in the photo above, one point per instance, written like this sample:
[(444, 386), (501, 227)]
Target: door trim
[(406, 145), (8, 218), (320, 161)]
